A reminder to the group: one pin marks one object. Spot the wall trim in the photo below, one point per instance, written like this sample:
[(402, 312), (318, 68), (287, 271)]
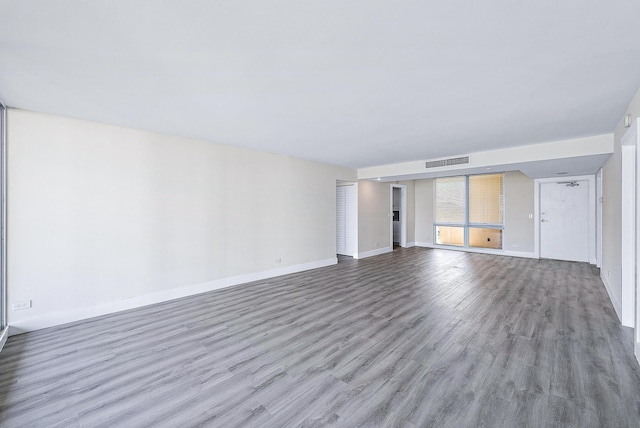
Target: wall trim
[(78, 314), (3, 337), (410, 244), (373, 253), (523, 254), (617, 306)]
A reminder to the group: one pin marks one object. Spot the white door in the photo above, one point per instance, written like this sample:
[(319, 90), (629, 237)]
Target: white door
[(346, 220), (564, 221)]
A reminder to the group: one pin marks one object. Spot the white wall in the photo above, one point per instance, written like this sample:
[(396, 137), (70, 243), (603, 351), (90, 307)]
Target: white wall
[(611, 271), (100, 214)]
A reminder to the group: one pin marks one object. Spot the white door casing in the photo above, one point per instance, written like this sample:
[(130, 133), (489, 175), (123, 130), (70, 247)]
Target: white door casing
[(628, 229), (403, 214), (599, 201), (630, 260)]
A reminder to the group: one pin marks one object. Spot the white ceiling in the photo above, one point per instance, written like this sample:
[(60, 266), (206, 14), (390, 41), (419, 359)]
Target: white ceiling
[(355, 83)]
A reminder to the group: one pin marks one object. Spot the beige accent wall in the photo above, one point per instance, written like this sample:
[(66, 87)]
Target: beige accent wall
[(519, 203), (424, 211), (374, 203), (99, 213), (611, 269)]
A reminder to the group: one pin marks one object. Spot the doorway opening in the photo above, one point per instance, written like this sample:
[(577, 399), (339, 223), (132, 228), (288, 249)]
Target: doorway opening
[(398, 216)]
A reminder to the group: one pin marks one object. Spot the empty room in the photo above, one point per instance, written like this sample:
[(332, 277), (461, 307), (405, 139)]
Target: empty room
[(297, 214)]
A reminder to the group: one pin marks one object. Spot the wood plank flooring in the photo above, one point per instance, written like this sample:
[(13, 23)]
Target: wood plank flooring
[(413, 338)]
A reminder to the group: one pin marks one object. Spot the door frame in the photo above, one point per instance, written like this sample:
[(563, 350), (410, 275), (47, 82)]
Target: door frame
[(3, 220), (591, 180), (599, 201), (403, 213), (630, 222), (629, 152)]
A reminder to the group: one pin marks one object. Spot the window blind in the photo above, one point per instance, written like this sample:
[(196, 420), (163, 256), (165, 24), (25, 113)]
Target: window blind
[(450, 199), (486, 199)]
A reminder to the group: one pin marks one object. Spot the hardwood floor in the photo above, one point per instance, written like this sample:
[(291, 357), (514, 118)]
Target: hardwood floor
[(416, 337)]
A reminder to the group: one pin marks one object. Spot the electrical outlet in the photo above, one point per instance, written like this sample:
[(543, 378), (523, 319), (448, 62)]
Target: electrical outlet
[(278, 261), (377, 244), (17, 306)]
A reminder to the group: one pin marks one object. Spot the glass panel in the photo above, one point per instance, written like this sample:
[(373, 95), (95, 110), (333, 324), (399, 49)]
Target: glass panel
[(450, 235), (450, 199), (486, 199), (485, 238)]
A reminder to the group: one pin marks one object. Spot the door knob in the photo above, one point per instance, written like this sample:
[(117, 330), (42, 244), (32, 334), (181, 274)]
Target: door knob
[(544, 220)]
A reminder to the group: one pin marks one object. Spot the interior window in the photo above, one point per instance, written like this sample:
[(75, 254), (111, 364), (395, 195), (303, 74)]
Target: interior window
[(469, 210)]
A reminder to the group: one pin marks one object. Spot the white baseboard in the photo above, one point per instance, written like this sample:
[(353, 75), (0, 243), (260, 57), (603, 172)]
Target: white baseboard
[(410, 244), (372, 253), (58, 318), (523, 254), (3, 337), (617, 305)]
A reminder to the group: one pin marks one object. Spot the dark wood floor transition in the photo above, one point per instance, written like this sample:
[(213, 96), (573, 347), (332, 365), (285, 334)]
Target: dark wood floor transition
[(417, 337)]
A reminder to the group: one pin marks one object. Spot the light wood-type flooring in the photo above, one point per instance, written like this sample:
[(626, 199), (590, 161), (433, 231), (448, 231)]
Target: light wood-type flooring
[(417, 337)]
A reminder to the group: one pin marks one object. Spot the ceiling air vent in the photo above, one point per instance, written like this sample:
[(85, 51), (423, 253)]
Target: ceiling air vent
[(448, 162)]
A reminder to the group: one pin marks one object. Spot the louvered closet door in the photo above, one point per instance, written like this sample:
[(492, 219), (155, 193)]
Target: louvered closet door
[(346, 221), (350, 221), (341, 220)]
